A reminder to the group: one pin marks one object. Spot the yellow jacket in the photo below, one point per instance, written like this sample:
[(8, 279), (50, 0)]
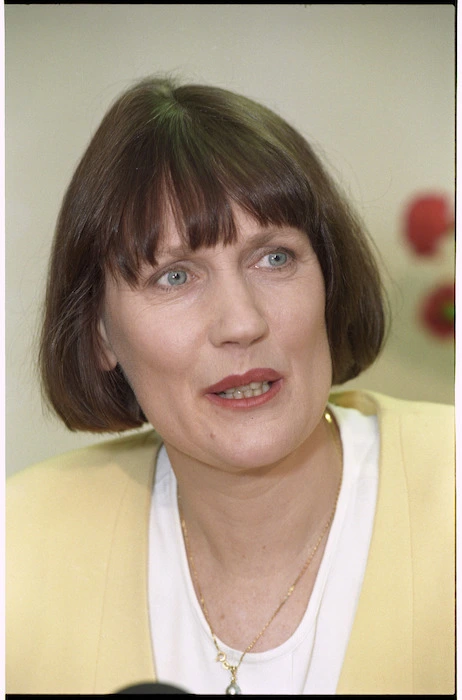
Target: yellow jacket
[(76, 568)]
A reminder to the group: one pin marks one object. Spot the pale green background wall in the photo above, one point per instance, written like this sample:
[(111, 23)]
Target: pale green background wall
[(372, 85)]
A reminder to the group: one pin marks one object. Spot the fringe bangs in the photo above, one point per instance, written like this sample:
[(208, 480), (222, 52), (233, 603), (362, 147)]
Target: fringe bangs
[(199, 182)]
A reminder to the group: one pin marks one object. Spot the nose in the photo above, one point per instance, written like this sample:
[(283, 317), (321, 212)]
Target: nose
[(237, 319)]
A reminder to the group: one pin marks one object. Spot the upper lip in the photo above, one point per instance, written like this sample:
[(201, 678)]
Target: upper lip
[(234, 380)]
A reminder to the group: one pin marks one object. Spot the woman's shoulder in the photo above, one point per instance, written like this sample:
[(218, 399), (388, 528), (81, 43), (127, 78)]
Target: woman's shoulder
[(383, 405), (69, 507), (419, 434), (76, 528), (417, 439), (111, 461)]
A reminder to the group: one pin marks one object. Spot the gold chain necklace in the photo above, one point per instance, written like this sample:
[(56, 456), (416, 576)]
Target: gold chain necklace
[(233, 688)]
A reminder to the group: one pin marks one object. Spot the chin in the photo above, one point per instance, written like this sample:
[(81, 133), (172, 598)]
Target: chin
[(252, 457)]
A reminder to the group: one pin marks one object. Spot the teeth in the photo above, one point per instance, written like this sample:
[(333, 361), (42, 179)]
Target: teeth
[(247, 391)]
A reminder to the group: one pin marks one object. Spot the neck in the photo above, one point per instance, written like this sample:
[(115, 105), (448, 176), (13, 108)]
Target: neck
[(246, 521)]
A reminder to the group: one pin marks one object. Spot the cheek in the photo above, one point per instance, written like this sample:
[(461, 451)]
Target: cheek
[(301, 318), (311, 344), (303, 333), (151, 353)]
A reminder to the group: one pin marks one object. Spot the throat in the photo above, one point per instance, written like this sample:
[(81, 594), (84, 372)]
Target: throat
[(259, 610)]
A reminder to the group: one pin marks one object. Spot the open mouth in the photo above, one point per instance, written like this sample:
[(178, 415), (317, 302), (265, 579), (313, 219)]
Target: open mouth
[(247, 391)]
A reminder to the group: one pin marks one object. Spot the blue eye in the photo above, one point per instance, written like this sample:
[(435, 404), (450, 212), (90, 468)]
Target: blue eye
[(174, 278), (177, 277), (277, 259)]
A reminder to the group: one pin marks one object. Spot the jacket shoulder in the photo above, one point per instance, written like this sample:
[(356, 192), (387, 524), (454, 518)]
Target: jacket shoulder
[(70, 522), (423, 420), (96, 463), (411, 559)]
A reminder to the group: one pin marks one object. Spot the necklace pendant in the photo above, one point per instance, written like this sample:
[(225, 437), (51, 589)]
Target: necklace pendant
[(233, 689)]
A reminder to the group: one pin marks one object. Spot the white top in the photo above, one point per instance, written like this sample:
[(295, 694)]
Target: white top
[(311, 660)]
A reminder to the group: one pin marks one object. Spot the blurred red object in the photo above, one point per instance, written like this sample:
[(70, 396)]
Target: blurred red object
[(438, 311), (428, 218)]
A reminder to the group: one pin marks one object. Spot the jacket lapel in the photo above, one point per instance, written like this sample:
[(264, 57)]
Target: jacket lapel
[(382, 632), (125, 655)]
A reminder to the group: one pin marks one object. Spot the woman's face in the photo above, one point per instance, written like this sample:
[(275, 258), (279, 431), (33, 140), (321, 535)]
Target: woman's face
[(202, 324)]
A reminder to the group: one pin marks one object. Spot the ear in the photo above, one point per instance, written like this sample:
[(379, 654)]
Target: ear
[(108, 359)]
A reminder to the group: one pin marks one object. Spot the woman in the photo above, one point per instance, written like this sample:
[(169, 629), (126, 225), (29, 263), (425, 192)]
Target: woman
[(268, 537)]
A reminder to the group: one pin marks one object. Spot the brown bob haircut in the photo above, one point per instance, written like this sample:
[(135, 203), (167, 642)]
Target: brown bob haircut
[(204, 151)]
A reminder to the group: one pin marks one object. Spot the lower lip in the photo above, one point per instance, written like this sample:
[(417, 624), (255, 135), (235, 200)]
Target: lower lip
[(251, 402)]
